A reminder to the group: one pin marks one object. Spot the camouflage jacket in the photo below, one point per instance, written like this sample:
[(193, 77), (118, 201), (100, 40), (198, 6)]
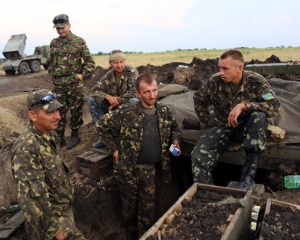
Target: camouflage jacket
[(44, 190), (107, 85), (126, 122), (66, 56), (255, 92)]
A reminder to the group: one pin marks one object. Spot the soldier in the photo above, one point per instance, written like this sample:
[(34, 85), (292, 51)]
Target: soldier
[(145, 131), (115, 87), (45, 192), (242, 101), (68, 73)]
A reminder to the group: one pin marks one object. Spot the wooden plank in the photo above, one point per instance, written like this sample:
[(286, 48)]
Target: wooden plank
[(11, 225), (257, 190)]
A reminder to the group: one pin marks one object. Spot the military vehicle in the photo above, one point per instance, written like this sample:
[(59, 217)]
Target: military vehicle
[(16, 60)]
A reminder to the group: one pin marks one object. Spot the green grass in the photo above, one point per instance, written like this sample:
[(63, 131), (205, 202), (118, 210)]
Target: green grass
[(161, 58)]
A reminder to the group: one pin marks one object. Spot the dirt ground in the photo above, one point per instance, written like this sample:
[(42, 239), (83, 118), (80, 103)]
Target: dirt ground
[(13, 120)]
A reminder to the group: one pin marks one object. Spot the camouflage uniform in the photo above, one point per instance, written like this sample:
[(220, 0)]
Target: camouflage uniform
[(258, 96), (66, 56), (134, 182), (107, 85), (44, 190)]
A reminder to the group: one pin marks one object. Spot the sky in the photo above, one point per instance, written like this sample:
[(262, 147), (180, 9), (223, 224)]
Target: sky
[(156, 25)]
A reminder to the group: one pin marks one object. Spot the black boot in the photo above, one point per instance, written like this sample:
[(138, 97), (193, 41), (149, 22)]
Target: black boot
[(248, 171), (74, 140), (61, 137), (98, 144)]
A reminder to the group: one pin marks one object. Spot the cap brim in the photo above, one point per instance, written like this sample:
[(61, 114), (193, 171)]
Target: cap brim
[(59, 25), (52, 106)]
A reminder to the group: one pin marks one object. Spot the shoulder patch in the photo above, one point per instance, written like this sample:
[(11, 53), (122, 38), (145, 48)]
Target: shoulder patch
[(268, 96)]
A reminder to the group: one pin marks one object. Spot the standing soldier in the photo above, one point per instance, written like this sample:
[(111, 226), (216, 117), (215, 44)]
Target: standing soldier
[(68, 73), (45, 192), (145, 131)]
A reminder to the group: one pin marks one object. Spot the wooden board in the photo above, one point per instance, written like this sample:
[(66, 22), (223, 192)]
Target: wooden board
[(11, 225), (274, 155)]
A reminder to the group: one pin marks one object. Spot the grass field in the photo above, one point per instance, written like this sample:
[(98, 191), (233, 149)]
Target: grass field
[(160, 58)]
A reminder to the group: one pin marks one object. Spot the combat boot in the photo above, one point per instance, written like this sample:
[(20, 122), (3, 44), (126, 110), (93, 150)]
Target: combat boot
[(61, 137), (74, 140), (248, 171), (98, 144)]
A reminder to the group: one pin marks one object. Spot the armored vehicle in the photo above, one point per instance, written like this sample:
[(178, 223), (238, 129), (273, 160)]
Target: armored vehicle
[(16, 60)]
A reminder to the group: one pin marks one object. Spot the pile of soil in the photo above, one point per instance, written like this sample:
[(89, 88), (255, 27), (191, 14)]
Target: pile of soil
[(13, 120), (282, 222), (203, 217)]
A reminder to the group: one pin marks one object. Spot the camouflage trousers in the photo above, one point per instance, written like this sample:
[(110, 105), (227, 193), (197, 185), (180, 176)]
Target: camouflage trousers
[(251, 131), (67, 220), (71, 95), (138, 198)]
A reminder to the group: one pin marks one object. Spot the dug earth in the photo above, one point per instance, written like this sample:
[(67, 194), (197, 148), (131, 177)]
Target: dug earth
[(98, 210)]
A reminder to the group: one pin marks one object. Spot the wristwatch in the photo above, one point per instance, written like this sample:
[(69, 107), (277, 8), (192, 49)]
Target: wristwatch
[(84, 75)]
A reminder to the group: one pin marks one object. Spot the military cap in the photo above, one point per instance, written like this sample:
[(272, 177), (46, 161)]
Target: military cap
[(116, 55), (60, 20), (44, 99)]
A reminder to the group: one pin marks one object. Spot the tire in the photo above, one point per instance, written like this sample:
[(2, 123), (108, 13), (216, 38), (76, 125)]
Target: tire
[(10, 72), (35, 66), (23, 68)]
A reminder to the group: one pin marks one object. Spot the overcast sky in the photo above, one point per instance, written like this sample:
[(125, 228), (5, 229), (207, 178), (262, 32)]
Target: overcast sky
[(156, 25)]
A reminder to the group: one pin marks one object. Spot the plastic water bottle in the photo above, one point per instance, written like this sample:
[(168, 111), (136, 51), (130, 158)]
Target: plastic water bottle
[(14, 208), (292, 181)]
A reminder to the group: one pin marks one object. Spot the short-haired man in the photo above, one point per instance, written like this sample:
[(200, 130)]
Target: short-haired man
[(145, 131), (45, 192), (69, 65), (115, 87), (242, 101)]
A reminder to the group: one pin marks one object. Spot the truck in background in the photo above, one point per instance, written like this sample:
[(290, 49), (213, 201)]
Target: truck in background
[(17, 61)]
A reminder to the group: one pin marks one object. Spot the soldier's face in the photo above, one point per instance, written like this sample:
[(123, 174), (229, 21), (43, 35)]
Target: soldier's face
[(231, 70), (118, 66), (65, 31), (147, 94), (43, 120)]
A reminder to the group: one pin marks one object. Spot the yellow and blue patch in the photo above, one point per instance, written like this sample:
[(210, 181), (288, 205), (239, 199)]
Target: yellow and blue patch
[(268, 96)]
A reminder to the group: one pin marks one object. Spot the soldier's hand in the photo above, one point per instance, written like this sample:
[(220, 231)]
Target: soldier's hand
[(235, 113), (116, 156), (60, 235), (113, 101)]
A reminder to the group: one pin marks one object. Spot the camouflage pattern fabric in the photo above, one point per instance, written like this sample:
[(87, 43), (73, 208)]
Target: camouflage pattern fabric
[(251, 130), (44, 190), (71, 96), (127, 122), (253, 92), (138, 198), (66, 55), (137, 184), (107, 85)]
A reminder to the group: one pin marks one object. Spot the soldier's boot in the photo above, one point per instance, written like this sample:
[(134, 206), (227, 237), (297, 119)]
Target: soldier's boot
[(98, 144), (248, 171), (61, 137), (74, 140)]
